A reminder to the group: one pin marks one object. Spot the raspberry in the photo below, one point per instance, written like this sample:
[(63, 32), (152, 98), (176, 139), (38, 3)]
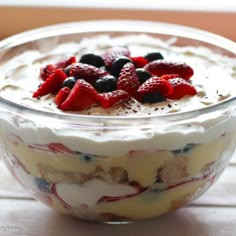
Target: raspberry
[(107, 100), (128, 80), (156, 85), (52, 84), (139, 62), (162, 67), (111, 54), (181, 87), (81, 97), (50, 68), (87, 72), (46, 71), (66, 62)]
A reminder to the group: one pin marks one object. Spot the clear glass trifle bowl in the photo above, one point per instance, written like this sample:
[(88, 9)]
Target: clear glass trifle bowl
[(117, 167)]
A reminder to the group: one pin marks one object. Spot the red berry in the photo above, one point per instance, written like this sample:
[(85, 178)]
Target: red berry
[(81, 97), (52, 84), (107, 100), (61, 96), (46, 71), (181, 88), (66, 62), (128, 80), (169, 76), (87, 72), (112, 53), (59, 148), (162, 67), (156, 85), (139, 62), (50, 68)]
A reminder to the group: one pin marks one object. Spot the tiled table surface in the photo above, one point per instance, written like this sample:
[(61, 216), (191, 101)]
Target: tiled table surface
[(214, 214)]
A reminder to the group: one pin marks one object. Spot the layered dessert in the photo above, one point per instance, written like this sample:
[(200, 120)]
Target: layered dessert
[(111, 171)]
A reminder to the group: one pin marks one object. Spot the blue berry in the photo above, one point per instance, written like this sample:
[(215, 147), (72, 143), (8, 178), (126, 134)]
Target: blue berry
[(152, 98), (69, 82), (92, 59), (106, 84), (43, 185), (67, 70), (152, 56), (118, 65), (86, 157), (143, 75), (184, 150)]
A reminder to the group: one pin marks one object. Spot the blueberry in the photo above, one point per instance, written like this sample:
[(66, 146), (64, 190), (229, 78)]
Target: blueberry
[(152, 98), (42, 184), (143, 75), (183, 150), (69, 82), (118, 64), (158, 186), (152, 56), (67, 70), (92, 59), (106, 84), (86, 158)]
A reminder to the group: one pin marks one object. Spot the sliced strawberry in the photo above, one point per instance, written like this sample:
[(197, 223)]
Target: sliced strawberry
[(112, 53), (61, 96), (162, 67), (52, 84), (107, 100), (59, 148), (87, 72), (66, 62), (139, 62), (181, 87), (128, 80), (46, 71), (139, 189), (156, 85), (81, 97)]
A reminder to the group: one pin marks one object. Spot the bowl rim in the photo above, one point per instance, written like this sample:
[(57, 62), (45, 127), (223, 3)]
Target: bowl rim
[(138, 26)]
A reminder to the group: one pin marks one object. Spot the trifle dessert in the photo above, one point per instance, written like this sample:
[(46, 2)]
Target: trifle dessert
[(120, 123)]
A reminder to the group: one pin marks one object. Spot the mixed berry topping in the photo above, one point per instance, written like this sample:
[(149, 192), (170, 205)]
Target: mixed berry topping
[(114, 77)]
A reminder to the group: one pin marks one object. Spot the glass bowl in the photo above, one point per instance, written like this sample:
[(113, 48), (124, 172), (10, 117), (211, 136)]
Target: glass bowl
[(116, 168)]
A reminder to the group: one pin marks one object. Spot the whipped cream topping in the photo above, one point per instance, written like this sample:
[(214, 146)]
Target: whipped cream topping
[(20, 74)]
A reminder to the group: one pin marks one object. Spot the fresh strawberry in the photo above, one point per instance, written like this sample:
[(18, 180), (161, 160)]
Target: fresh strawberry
[(66, 62), (81, 97), (170, 76), (46, 71), (111, 54), (61, 96), (181, 87), (52, 84), (128, 80), (156, 85), (139, 62), (107, 100), (87, 72), (162, 67)]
